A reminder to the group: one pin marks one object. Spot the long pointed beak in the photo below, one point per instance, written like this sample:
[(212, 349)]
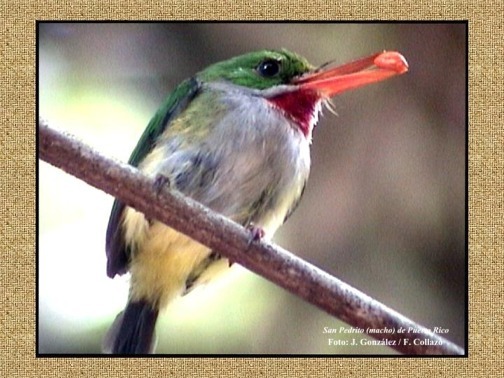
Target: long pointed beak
[(372, 69)]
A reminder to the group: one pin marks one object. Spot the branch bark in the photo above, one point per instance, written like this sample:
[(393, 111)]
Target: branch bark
[(232, 240)]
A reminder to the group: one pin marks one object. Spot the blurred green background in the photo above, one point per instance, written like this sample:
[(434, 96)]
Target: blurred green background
[(384, 209)]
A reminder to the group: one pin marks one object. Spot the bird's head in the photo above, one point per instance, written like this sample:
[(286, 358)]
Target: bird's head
[(296, 87)]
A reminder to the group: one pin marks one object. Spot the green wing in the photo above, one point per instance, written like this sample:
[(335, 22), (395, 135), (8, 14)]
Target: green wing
[(116, 248)]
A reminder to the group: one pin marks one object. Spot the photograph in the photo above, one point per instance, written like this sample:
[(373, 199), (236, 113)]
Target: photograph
[(344, 143)]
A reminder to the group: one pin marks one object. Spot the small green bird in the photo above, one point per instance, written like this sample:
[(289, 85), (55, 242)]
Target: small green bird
[(235, 137)]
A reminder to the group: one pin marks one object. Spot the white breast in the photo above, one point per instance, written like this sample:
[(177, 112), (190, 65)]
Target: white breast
[(262, 147)]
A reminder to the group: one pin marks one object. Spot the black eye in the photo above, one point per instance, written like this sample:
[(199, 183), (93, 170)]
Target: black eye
[(268, 68)]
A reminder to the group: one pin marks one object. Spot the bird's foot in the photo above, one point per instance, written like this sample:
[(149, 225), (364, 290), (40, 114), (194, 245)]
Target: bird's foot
[(256, 233), (160, 182)]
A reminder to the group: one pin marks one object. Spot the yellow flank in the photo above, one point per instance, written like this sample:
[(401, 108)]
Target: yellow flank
[(150, 164), (162, 261), (213, 270)]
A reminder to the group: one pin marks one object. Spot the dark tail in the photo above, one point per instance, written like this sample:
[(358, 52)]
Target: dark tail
[(133, 330)]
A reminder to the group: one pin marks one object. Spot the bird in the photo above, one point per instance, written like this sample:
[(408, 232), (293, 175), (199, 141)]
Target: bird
[(235, 137)]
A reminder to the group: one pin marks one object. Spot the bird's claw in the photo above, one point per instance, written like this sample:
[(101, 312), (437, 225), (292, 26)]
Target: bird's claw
[(256, 233), (160, 182)]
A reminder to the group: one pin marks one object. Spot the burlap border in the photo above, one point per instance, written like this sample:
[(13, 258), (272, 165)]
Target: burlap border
[(18, 188)]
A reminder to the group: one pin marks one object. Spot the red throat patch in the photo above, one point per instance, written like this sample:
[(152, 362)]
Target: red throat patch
[(300, 106)]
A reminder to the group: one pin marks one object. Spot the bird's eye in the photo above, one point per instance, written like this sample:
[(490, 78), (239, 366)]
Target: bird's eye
[(268, 68)]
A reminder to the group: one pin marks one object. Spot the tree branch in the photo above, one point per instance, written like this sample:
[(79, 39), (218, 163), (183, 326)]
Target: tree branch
[(232, 240)]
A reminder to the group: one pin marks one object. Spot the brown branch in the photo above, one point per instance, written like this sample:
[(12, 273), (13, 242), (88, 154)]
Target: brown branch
[(232, 240)]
